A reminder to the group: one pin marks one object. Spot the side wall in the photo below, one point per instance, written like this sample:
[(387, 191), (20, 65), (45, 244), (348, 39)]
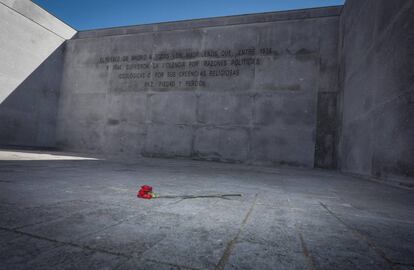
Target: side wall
[(31, 53), (237, 89), (377, 88)]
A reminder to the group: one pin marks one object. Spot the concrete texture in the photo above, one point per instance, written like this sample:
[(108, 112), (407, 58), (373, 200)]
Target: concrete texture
[(31, 49), (377, 86), (141, 90), (85, 215), (28, 114), (256, 89), (40, 16)]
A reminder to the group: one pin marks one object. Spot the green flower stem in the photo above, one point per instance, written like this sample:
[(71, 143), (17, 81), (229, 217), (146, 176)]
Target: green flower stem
[(197, 196)]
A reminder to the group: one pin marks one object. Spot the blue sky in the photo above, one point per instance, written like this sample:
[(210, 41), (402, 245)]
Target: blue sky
[(92, 14)]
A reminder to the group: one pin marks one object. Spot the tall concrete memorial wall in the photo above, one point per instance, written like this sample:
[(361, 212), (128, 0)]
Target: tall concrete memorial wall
[(327, 87), (239, 89), (377, 89), (31, 53)]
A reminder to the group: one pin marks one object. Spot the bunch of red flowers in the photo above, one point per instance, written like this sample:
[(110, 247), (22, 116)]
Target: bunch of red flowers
[(145, 192)]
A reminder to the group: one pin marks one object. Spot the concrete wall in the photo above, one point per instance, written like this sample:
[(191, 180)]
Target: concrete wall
[(31, 54), (238, 89), (377, 88), (256, 88)]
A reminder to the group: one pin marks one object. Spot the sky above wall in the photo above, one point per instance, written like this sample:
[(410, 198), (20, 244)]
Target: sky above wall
[(93, 14)]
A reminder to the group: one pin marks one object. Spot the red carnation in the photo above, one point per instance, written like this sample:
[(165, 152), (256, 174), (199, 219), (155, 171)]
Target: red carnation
[(145, 192), (146, 188)]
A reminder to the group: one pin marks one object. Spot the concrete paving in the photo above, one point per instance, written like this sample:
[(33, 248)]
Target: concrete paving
[(75, 213)]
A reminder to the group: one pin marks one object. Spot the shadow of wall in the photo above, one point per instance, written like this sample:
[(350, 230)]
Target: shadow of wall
[(28, 114)]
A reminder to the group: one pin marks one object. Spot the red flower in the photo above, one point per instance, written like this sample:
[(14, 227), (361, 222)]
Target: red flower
[(145, 192), (146, 188)]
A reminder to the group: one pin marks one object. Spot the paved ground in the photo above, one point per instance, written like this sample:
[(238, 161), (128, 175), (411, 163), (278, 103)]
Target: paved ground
[(73, 213)]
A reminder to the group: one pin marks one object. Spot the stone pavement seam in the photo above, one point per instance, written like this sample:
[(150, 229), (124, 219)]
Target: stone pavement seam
[(63, 243), (151, 260), (157, 262), (122, 264), (128, 207), (404, 264), (63, 217), (364, 238), (107, 227), (42, 205), (49, 220), (172, 264), (227, 252), (6, 181), (305, 250), (393, 183)]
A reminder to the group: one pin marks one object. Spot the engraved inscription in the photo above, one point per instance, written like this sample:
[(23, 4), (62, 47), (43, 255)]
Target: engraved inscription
[(183, 68)]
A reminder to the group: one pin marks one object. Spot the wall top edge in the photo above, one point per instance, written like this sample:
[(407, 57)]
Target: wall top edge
[(301, 14), (31, 11)]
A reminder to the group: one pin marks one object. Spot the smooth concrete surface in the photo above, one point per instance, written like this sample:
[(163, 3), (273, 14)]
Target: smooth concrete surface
[(40, 16), (289, 15), (84, 214), (377, 89), (236, 89), (31, 53), (25, 43), (28, 114)]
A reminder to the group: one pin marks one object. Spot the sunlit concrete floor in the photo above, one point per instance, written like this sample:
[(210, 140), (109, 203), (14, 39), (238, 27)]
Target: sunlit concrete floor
[(67, 212)]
